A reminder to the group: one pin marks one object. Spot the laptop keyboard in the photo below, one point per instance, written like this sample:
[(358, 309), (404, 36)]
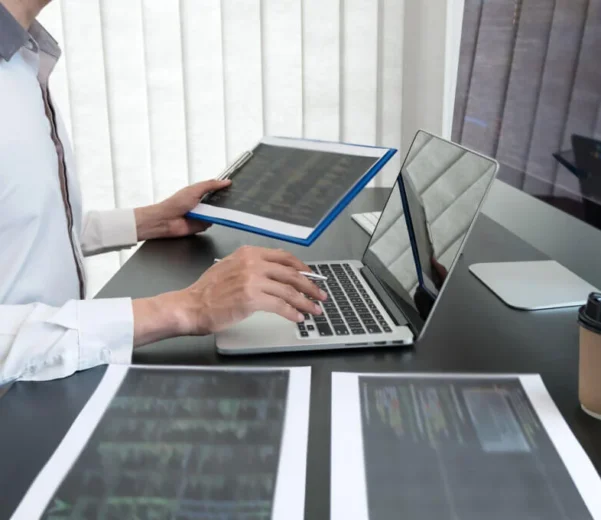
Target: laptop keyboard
[(349, 309)]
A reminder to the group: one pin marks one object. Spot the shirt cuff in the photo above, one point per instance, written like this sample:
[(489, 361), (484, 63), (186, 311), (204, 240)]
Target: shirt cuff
[(109, 230), (106, 332)]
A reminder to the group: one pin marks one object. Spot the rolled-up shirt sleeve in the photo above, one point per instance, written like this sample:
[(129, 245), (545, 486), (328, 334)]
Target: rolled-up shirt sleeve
[(39, 342), (105, 231)]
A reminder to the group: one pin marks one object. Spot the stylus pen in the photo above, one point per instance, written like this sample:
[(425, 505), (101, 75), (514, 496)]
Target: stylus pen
[(310, 276)]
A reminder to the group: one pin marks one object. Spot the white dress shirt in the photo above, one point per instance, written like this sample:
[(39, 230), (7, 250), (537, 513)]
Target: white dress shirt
[(46, 330)]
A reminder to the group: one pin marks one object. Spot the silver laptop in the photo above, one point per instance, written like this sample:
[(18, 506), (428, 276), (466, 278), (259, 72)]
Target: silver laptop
[(389, 296)]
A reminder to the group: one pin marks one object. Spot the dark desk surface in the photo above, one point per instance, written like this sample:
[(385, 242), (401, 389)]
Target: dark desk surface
[(472, 332)]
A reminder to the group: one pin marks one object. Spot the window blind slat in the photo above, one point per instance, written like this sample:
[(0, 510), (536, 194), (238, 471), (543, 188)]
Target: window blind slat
[(488, 83), (282, 67), (554, 95), (243, 75), (127, 102), (582, 116), (524, 82), (469, 39), (390, 87), (321, 69), (204, 87), (360, 71), (166, 96), (87, 86)]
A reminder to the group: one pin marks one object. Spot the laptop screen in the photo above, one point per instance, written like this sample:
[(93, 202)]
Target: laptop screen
[(425, 222)]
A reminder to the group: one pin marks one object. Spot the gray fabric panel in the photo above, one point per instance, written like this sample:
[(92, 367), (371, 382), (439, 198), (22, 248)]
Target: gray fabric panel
[(525, 80), (555, 94), (532, 84), (467, 53), (489, 77), (582, 115)]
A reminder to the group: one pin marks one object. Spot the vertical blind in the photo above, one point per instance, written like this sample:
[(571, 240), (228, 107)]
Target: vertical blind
[(160, 93), (529, 77)]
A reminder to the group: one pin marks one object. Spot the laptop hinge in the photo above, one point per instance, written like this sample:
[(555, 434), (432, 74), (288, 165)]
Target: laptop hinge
[(395, 313)]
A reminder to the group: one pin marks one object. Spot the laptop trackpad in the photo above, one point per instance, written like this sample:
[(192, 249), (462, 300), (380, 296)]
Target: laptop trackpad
[(260, 329)]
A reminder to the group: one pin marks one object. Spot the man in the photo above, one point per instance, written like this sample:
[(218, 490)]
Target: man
[(47, 330)]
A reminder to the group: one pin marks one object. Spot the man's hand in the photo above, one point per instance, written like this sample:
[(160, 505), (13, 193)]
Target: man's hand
[(167, 219), (250, 280)]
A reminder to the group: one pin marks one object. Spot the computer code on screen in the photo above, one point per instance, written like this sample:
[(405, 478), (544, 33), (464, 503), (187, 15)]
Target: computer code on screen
[(177, 444), (460, 449), (292, 185)]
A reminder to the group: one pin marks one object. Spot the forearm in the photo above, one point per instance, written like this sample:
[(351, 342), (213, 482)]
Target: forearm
[(150, 223), (157, 318)]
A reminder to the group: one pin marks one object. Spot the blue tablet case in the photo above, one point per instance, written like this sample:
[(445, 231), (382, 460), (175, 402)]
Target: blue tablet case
[(368, 176)]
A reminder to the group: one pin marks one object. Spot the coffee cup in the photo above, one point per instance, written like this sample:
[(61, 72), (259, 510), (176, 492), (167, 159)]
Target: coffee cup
[(589, 385)]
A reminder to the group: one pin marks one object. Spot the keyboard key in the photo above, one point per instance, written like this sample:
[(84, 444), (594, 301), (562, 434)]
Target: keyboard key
[(373, 329), (369, 322), (387, 328), (324, 329), (310, 327), (357, 330), (353, 320), (304, 334), (365, 316), (320, 319), (336, 321), (341, 330), (301, 326), (349, 314), (307, 316)]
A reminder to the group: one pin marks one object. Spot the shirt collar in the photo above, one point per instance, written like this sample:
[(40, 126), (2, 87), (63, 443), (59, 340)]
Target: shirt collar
[(13, 37)]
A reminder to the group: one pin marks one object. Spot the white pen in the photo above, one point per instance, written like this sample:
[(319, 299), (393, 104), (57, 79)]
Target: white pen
[(310, 276)]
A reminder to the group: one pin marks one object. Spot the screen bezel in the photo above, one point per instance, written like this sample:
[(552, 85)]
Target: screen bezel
[(418, 325)]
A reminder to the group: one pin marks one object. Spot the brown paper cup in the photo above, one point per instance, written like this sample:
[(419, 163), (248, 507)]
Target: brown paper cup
[(589, 386)]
